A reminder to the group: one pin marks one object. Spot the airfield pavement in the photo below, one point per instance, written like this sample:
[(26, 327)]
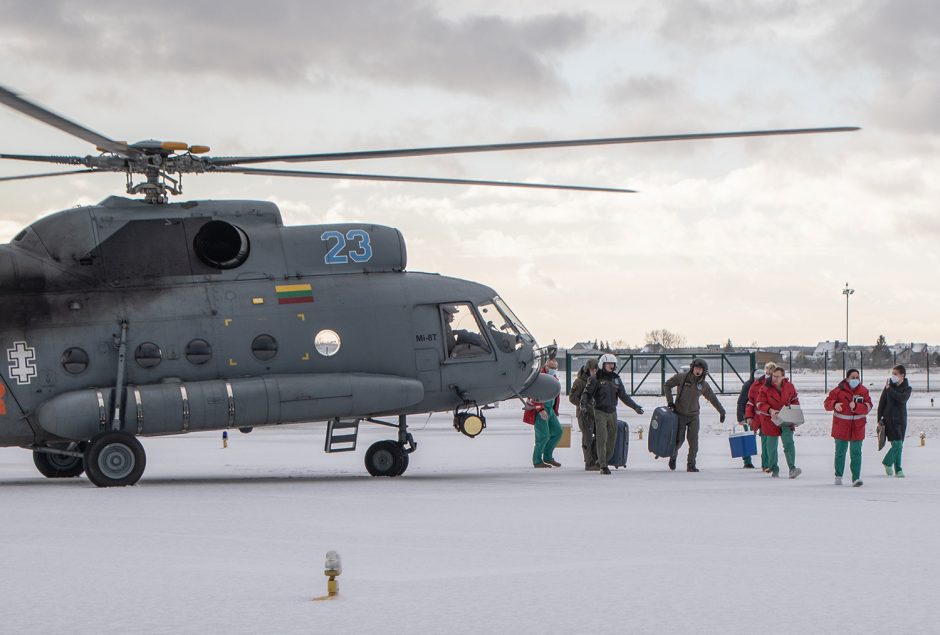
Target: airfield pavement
[(473, 540)]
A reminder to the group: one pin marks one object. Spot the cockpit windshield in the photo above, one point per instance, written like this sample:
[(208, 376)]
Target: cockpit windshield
[(505, 328)]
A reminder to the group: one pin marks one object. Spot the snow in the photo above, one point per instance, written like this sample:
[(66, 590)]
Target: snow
[(473, 540)]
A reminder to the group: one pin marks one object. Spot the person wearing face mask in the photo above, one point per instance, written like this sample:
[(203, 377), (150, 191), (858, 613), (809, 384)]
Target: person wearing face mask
[(691, 386), (775, 395), (544, 417), (755, 418), (849, 403), (743, 403), (605, 388), (892, 414), (585, 415)]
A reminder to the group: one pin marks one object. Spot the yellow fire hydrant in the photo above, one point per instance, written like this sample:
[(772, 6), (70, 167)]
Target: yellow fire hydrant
[(331, 570), (923, 439), (639, 433)]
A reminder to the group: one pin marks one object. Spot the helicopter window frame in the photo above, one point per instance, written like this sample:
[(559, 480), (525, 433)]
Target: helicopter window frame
[(149, 362), (198, 358), (71, 360), (507, 337), (475, 351)]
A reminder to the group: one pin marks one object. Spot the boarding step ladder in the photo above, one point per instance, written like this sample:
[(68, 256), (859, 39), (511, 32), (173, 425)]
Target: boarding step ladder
[(341, 435)]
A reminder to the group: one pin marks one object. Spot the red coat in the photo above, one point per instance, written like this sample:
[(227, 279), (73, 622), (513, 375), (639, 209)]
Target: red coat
[(771, 398), (848, 425), (750, 410), (534, 407)]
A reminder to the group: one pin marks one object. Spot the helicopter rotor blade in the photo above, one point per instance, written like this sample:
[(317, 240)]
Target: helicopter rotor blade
[(528, 145), (408, 179), (68, 160), (23, 177), (39, 113)]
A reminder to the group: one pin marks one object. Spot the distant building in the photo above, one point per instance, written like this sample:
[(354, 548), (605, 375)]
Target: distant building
[(828, 348)]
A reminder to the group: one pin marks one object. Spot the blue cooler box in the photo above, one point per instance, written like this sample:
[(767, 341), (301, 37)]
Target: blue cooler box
[(742, 444)]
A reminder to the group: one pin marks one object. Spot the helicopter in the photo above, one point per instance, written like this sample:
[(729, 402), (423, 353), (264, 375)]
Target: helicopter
[(141, 317)]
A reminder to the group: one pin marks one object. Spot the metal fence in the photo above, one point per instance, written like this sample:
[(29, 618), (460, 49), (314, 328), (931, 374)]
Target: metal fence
[(824, 373), (645, 374)]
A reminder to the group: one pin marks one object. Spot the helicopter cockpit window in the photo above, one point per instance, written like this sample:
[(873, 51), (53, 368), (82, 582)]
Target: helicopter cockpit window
[(462, 333), (504, 333)]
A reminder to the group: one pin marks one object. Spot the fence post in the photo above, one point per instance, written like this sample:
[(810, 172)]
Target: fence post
[(632, 383), (928, 370), (791, 365), (662, 373), (722, 373), (826, 371), (567, 372)]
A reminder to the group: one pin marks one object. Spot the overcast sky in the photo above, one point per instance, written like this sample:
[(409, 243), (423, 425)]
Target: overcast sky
[(751, 240)]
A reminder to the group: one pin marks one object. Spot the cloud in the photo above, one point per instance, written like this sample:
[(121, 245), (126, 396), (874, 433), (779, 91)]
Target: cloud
[(408, 43)]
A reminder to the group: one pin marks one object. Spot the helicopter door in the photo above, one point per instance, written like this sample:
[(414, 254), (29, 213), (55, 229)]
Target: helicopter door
[(429, 346)]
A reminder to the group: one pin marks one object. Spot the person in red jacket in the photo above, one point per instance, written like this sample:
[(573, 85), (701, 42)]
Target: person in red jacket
[(754, 418), (773, 396), (544, 417), (849, 403)]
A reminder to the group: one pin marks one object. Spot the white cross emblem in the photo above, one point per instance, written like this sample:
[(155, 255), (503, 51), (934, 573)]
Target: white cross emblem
[(22, 360)]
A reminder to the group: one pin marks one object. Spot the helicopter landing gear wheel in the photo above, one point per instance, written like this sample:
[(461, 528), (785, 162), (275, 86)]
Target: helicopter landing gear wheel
[(386, 458), (114, 459), (58, 465)]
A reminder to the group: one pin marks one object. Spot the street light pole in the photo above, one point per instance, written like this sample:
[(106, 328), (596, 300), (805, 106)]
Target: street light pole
[(847, 292)]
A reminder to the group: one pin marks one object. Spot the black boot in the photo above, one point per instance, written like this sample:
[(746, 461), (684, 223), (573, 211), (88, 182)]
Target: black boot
[(672, 463), (691, 468)]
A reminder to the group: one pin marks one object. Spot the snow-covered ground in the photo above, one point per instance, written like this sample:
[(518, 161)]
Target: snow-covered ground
[(472, 540)]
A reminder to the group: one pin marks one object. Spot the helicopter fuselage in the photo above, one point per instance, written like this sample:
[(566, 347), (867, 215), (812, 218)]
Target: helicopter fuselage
[(230, 319)]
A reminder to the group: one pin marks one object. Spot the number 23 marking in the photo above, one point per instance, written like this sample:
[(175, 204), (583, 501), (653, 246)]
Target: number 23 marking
[(361, 253)]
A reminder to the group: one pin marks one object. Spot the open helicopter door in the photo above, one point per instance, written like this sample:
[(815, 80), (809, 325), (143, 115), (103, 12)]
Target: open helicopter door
[(429, 345)]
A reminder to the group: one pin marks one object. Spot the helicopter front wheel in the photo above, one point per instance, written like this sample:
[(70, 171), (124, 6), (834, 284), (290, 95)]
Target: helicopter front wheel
[(386, 458), (114, 459)]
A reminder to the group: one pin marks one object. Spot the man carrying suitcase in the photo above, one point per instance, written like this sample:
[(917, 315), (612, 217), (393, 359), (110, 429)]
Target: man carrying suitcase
[(691, 385), (604, 389)]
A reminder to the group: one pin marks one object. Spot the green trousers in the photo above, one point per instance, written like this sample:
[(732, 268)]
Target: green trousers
[(747, 459), (893, 456), (855, 454), (605, 435), (586, 424), (789, 449), (547, 435), (764, 447)]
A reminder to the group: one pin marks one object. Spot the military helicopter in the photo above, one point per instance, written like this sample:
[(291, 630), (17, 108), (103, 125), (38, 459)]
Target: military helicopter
[(135, 318)]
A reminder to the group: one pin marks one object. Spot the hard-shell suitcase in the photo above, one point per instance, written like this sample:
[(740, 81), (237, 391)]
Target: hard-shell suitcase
[(621, 446), (664, 427)]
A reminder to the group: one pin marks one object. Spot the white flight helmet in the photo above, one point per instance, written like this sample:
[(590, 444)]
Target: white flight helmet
[(607, 358)]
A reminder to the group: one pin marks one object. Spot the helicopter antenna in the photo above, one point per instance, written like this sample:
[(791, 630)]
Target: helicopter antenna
[(157, 160)]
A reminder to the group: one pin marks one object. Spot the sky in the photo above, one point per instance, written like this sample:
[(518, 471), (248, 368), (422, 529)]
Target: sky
[(751, 240)]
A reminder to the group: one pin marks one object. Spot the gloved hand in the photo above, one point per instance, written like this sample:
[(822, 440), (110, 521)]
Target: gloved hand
[(671, 406), (721, 418), (638, 410)]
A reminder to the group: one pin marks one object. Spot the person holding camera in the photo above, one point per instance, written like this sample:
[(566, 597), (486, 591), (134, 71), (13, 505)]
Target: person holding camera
[(892, 414), (849, 403)]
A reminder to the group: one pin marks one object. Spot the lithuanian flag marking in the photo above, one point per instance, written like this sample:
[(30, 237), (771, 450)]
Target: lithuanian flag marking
[(293, 293)]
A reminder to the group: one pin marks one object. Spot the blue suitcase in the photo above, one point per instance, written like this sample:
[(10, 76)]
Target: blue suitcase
[(664, 427), (621, 446)]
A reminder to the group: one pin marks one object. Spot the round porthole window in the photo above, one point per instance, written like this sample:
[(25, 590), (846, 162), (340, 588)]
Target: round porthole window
[(327, 343), (148, 355), (264, 347), (198, 351), (74, 360)]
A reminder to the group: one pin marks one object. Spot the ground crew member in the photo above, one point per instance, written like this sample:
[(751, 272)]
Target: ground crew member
[(604, 389), (849, 403), (753, 417), (742, 409), (775, 395), (585, 415), (691, 385), (892, 414)]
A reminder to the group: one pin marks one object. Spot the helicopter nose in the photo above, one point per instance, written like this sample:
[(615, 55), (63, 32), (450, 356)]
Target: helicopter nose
[(544, 388)]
